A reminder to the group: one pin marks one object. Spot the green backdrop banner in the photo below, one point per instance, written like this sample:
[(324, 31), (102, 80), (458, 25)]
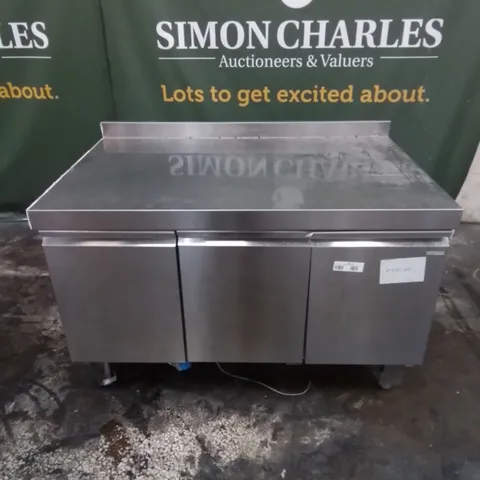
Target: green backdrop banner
[(54, 91), (414, 62)]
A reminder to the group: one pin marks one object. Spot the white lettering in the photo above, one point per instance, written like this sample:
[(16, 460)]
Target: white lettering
[(223, 62), (308, 34), (240, 35), (18, 34), (281, 34), (201, 37), (365, 30), (325, 59), (384, 35), (409, 32), (289, 34), (433, 32), (182, 45), (262, 37), (341, 33), (166, 35), (39, 29), (2, 45)]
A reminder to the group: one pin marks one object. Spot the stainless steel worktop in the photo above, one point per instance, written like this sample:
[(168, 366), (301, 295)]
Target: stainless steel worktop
[(322, 176), (246, 242)]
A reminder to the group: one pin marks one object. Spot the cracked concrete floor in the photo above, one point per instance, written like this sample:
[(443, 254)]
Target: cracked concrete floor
[(157, 423)]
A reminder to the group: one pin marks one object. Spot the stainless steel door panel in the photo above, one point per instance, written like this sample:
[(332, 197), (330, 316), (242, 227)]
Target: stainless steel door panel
[(353, 319), (119, 301), (244, 301)]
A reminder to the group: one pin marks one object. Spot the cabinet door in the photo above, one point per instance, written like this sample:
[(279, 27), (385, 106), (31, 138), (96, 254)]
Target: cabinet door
[(244, 300), (119, 301), (378, 308)]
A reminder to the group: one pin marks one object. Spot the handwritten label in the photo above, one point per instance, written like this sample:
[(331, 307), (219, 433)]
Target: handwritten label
[(355, 267), (402, 270)]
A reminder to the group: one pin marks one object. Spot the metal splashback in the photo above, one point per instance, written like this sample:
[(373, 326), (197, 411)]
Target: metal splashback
[(315, 176)]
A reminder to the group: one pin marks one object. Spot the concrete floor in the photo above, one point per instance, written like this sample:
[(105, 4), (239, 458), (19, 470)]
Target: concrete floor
[(157, 423)]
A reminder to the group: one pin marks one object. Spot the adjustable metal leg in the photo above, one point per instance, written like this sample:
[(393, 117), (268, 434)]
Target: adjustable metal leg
[(389, 376), (109, 375)]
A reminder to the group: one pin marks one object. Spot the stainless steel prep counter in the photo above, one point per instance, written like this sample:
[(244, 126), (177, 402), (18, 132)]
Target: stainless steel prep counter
[(316, 242)]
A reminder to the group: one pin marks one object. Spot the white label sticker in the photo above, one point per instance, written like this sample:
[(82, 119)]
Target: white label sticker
[(356, 267), (403, 270), (436, 252)]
